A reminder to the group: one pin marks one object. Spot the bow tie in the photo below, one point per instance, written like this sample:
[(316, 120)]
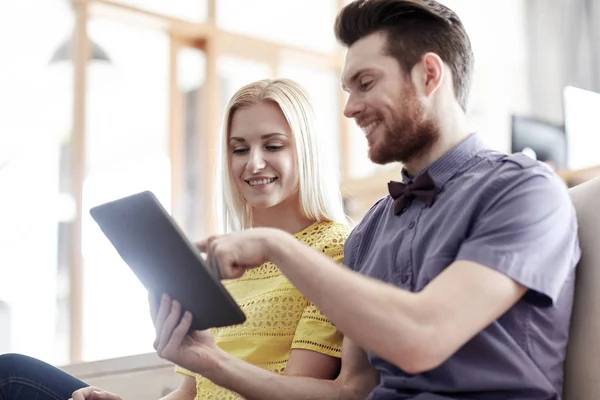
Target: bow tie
[(423, 188)]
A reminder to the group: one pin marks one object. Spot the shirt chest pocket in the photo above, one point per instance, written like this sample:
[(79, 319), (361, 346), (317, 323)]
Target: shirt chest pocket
[(431, 268)]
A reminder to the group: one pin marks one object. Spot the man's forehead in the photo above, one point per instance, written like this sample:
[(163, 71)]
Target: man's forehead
[(352, 70), (362, 54)]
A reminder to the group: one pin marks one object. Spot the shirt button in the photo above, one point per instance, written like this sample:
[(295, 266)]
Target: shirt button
[(411, 225)]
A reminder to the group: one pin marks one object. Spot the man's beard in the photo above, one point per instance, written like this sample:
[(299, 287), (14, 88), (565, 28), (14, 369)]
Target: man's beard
[(409, 135)]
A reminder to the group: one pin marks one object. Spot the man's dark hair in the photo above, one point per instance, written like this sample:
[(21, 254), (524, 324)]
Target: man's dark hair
[(413, 28)]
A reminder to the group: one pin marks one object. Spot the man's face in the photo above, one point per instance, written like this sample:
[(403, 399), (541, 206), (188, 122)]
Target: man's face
[(383, 101)]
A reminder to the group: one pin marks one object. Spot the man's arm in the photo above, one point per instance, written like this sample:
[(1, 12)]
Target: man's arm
[(526, 228), (524, 239), (356, 379), (404, 326)]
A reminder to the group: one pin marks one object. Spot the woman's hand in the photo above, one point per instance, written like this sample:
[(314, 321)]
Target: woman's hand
[(93, 393), (196, 351)]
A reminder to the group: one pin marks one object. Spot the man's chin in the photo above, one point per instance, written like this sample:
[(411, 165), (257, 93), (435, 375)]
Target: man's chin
[(380, 157)]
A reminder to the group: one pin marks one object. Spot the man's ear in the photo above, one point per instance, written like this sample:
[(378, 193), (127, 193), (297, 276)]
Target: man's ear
[(428, 74)]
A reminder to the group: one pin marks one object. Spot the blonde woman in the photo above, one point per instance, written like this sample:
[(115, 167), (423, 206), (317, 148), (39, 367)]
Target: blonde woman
[(271, 174)]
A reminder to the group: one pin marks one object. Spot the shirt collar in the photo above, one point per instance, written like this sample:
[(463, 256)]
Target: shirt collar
[(453, 161)]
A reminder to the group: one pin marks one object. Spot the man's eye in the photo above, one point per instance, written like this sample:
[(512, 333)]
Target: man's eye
[(365, 85)]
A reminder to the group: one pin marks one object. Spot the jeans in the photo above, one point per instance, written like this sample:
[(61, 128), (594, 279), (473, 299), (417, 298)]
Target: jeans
[(25, 378)]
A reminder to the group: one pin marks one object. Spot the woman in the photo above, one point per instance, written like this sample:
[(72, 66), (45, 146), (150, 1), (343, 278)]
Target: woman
[(271, 174)]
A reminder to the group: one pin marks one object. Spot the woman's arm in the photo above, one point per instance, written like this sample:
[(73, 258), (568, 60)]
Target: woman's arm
[(311, 364), (355, 381), (186, 391)]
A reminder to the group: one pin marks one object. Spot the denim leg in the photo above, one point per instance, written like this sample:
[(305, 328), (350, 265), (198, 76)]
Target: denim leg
[(25, 378)]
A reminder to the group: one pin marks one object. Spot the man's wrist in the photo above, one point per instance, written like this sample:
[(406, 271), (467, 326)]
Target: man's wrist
[(274, 242)]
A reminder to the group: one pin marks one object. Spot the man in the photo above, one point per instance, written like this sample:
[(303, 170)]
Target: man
[(461, 280)]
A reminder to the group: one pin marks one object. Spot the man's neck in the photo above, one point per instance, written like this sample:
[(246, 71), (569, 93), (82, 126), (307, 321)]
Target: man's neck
[(453, 130)]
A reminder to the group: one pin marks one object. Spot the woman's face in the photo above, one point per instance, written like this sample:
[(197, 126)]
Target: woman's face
[(262, 156)]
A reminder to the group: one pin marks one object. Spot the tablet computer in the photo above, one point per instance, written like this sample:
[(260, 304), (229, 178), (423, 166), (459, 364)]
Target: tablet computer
[(155, 248)]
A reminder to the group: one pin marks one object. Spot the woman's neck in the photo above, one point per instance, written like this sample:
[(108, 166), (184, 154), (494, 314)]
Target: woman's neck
[(283, 216)]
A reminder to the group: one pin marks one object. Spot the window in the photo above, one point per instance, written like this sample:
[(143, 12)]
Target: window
[(235, 72), (190, 198), (323, 89), (127, 151), (191, 10), (35, 109), (306, 23)]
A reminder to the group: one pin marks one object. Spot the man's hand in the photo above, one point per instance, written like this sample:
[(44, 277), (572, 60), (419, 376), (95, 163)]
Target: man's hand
[(195, 351), (93, 393), (231, 255)]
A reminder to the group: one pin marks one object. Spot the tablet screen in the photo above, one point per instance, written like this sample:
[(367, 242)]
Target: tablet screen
[(164, 260)]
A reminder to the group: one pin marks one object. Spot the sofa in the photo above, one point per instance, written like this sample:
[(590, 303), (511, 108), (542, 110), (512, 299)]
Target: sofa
[(582, 368)]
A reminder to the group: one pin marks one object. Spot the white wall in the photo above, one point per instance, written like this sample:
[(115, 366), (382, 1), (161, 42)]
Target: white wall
[(499, 84)]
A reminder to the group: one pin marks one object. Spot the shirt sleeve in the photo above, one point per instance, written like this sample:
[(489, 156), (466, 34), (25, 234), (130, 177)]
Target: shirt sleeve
[(315, 332), (528, 231)]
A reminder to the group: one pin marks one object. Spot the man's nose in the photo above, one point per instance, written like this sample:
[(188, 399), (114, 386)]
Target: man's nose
[(353, 107)]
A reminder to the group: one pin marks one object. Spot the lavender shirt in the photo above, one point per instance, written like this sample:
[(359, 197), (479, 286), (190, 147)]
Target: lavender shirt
[(509, 213)]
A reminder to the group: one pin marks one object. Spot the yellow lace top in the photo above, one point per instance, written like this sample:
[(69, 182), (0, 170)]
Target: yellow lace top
[(279, 317)]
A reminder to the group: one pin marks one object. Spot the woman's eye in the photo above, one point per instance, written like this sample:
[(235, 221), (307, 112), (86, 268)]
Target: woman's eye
[(274, 148), (240, 151)]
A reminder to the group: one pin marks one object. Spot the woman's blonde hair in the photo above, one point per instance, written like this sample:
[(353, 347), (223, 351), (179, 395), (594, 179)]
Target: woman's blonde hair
[(319, 201)]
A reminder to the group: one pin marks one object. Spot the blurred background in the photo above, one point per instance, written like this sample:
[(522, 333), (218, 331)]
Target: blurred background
[(100, 99)]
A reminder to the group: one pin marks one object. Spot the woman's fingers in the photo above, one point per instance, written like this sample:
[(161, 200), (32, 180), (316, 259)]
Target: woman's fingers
[(84, 393), (175, 342), (169, 325), (161, 317)]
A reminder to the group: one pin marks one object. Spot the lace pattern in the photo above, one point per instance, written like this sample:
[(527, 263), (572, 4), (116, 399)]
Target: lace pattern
[(279, 317)]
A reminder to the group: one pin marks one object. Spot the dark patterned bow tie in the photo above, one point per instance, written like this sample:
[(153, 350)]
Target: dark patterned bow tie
[(423, 188)]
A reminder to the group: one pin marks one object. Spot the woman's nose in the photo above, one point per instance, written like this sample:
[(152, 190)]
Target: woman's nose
[(256, 163)]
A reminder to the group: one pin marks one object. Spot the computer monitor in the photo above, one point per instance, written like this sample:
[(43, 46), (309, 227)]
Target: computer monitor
[(540, 139), (582, 127)]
